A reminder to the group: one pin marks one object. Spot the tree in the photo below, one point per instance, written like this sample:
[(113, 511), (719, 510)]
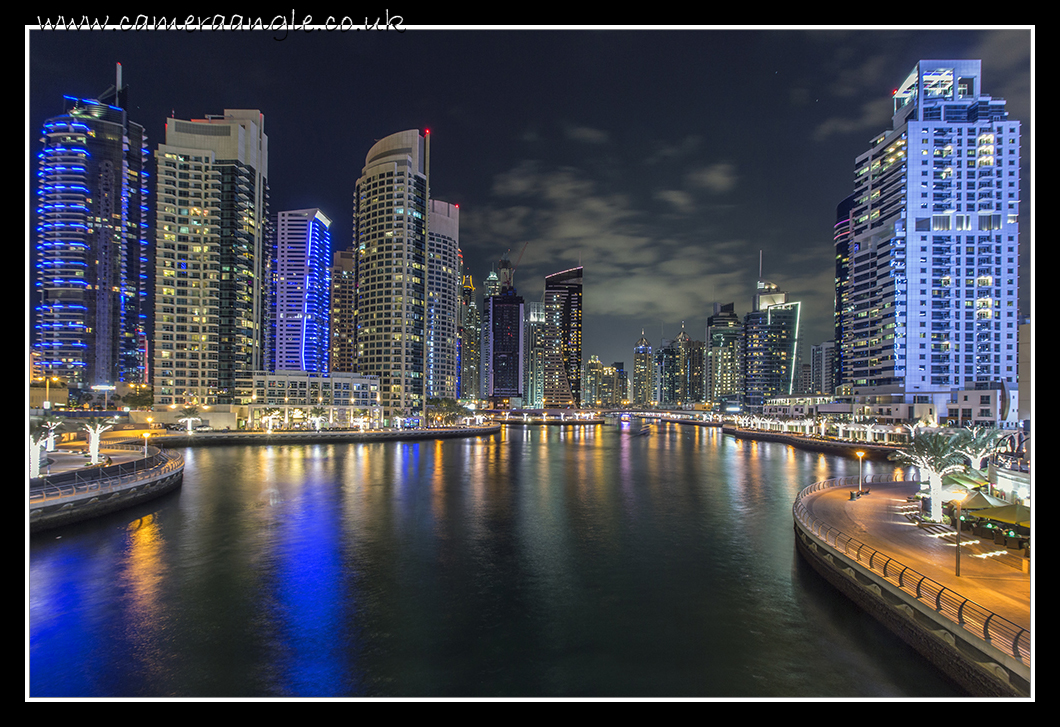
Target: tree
[(448, 411), (95, 426), (316, 415), (142, 398), (934, 453), (191, 414), (51, 423), (270, 415), (38, 434), (978, 443)]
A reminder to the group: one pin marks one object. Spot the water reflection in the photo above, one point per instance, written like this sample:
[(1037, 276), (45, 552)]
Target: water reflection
[(543, 561)]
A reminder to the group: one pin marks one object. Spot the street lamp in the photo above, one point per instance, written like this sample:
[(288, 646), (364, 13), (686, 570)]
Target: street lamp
[(958, 498), (860, 461), (146, 435)]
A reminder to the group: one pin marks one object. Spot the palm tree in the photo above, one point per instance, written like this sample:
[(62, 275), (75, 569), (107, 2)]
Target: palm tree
[(38, 434), (269, 415), (316, 415), (933, 453), (190, 415), (978, 443), (52, 422), (95, 426)]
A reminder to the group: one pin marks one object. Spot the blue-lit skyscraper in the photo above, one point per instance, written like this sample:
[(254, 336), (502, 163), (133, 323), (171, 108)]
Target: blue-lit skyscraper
[(91, 250), (299, 324)]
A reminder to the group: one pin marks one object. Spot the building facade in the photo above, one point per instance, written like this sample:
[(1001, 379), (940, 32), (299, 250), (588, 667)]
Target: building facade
[(443, 300), (343, 357), (92, 244), (643, 372), (932, 296), (299, 330), (212, 265), (390, 238), (563, 339), (724, 367), (770, 347), (470, 342)]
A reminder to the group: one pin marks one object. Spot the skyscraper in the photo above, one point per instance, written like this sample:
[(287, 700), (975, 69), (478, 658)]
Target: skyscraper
[(563, 338), (92, 247), (299, 323), (343, 358), (390, 236), (212, 269), (770, 346), (470, 341), (536, 347), (724, 358), (933, 286), (643, 372), (443, 300), (504, 341)]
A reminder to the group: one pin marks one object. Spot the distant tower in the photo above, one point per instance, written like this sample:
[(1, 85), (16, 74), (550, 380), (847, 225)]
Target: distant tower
[(92, 247), (770, 346), (724, 358), (470, 341), (443, 300), (301, 315), (343, 358), (504, 342), (563, 338), (643, 372)]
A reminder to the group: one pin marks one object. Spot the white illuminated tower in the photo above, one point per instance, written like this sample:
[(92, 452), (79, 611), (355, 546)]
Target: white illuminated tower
[(301, 312), (931, 306), (390, 237), (212, 261)]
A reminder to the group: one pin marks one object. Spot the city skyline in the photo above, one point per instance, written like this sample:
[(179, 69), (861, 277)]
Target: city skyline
[(596, 153)]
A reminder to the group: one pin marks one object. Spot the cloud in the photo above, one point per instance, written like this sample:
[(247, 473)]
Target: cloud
[(681, 201), (586, 134), (716, 178), (875, 116)]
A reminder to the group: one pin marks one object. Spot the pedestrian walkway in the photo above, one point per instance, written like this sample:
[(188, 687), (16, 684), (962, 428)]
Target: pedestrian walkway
[(69, 457), (990, 575)]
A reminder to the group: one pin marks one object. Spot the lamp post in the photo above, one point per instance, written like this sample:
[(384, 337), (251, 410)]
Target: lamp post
[(146, 435), (958, 499), (860, 461)]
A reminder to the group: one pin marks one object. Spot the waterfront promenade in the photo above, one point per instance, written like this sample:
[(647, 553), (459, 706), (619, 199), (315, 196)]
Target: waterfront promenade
[(991, 575), (971, 618)]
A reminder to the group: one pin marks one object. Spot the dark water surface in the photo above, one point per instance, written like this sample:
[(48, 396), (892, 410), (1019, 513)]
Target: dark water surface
[(541, 562)]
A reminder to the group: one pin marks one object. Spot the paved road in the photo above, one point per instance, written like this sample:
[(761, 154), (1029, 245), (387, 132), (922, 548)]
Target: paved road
[(878, 520)]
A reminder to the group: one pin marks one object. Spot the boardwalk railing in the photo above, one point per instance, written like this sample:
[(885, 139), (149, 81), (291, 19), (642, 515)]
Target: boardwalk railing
[(96, 482), (978, 621)]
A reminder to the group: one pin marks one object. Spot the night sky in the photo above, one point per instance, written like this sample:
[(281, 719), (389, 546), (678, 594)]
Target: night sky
[(663, 161)]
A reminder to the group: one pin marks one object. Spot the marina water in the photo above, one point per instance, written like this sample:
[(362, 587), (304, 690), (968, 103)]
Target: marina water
[(545, 561)]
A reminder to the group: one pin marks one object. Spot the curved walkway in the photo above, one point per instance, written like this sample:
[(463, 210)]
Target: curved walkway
[(988, 576)]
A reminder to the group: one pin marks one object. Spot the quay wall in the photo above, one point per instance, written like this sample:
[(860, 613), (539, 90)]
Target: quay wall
[(940, 625)]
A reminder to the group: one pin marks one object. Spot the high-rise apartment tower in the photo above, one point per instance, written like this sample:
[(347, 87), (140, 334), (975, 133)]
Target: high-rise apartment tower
[(212, 265), (390, 237), (932, 303)]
